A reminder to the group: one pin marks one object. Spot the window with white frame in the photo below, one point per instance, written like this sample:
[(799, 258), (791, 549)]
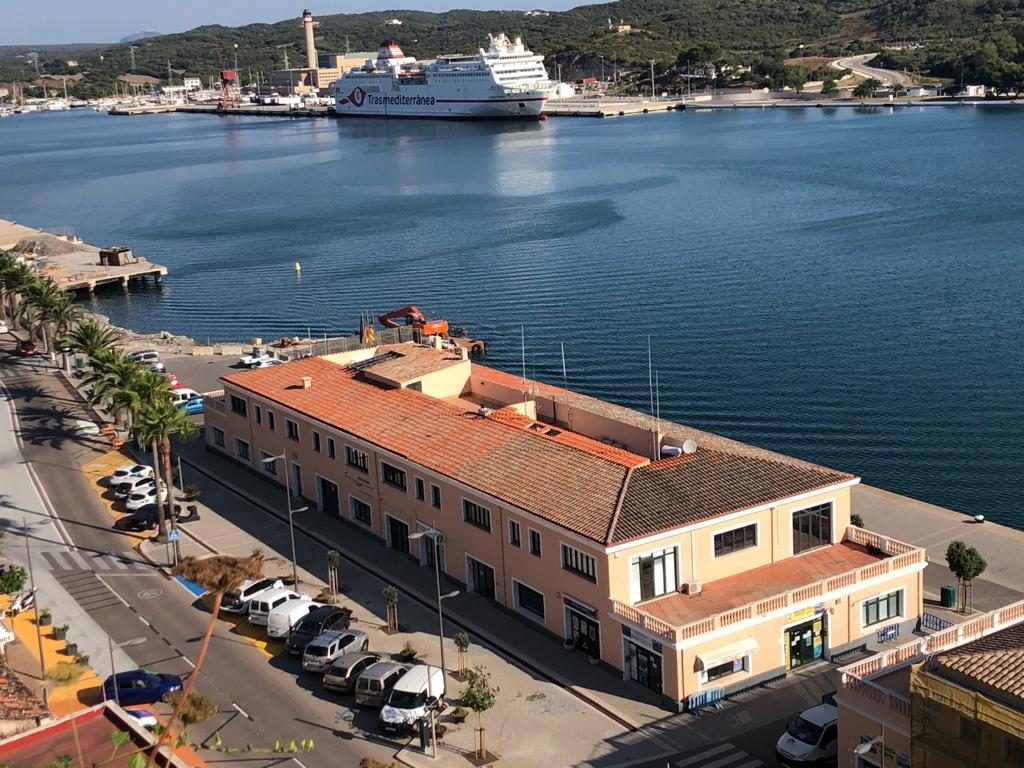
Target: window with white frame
[(316, 440), (356, 458), (529, 600), (292, 428), (534, 542), (476, 515), (655, 574), (270, 420), (331, 451), (237, 405), (360, 510), (812, 527), (725, 669), (580, 563), (393, 475), (241, 449), (218, 437), (270, 467), (435, 496), (420, 492), (258, 413), (882, 608), (727, 542), (514, 535)]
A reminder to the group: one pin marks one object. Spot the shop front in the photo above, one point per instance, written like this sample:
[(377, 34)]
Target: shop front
[(643, 660), (583, 630), (804, 637)]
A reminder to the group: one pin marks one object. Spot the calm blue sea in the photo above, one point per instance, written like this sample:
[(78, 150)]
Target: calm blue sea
[(840, 285)]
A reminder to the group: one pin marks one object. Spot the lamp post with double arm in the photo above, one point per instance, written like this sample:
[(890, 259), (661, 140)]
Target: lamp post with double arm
[(291, 512)]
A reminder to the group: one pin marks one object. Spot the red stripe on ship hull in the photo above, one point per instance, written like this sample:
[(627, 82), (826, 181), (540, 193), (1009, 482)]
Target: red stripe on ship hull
[(488, 101)]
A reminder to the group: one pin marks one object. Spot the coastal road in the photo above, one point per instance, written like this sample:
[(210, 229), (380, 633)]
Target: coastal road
[(90, 578), (858, 65)]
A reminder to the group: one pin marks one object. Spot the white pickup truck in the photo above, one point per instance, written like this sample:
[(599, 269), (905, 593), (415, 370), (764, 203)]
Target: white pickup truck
[(254, 360)]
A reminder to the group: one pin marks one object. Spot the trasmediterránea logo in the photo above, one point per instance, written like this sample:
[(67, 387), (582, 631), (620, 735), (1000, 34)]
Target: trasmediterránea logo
[(357, 97)]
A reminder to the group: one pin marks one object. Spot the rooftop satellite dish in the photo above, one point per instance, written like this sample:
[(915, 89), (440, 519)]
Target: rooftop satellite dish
[(689, 447)]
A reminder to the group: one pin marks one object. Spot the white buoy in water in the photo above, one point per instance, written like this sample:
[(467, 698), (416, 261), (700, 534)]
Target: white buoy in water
[(298, 267)]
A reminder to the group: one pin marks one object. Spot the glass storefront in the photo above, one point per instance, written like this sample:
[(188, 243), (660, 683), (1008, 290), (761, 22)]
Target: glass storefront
[(805, 642)]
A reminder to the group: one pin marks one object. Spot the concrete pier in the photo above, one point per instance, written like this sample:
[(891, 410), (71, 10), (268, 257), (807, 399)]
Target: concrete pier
[(79, 269)]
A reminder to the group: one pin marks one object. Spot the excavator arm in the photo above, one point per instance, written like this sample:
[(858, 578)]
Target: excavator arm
[(413, 315)]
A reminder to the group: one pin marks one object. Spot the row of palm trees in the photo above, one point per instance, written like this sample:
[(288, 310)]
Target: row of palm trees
[(140, 400)]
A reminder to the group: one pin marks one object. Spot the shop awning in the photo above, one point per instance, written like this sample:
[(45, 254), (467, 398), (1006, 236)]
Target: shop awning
[(726, 653)]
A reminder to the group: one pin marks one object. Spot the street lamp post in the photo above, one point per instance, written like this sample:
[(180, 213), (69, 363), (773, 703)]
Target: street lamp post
[(291, 512), (113, 671), (437, 539), (35, 595)]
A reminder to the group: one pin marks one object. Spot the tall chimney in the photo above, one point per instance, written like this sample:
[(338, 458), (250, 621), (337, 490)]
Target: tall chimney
[(307, 22)]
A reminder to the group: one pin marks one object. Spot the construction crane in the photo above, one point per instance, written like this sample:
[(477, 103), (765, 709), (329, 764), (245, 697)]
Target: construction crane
[(417, 320), (228, 81)]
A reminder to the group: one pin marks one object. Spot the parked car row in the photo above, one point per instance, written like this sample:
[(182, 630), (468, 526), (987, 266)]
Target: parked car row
[(185, 397), (135, 486), (404, 693)]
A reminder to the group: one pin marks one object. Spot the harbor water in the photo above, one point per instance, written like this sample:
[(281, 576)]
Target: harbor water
[(842, 285)]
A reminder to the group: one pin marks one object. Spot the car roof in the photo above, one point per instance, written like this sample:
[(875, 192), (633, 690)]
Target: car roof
[(383, 668), (416, 679), (352, 657), (331, 635), (323, 612), (276, 592), (821, 715)]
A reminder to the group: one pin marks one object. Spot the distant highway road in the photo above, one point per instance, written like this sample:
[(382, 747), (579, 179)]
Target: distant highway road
[(858, 64)]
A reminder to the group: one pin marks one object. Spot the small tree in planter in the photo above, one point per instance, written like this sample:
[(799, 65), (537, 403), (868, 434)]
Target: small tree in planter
[(45, 617), (459, 715), (61, 632), (479, 695), (391, 602), (333, 562), (856, 520), (462, 644), (408, 651)]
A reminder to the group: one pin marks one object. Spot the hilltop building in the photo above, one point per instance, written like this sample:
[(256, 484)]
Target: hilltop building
[(691, 564)]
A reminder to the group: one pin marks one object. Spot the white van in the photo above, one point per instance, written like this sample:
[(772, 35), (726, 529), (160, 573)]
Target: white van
[(238, 600), (419, 690), (145, 356), (183, 394), (811, 738), (260, 607), (281, 619)]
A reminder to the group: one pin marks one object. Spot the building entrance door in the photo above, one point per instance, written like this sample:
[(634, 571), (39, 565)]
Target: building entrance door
[(585, 633), (645, 667), (481, 578), (805, 642), (398, 534), (329, 497)]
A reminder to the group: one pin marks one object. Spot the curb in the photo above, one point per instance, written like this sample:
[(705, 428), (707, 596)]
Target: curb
[(494, 643)]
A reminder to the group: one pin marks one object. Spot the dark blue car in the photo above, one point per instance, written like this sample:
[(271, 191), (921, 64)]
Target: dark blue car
[(140, 686)]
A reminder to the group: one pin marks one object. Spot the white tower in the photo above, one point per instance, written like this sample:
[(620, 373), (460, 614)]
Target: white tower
[(308, 23)]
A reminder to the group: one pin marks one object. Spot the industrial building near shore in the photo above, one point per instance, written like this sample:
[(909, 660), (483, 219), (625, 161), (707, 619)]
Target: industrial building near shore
[(321, 69), (691, 564)]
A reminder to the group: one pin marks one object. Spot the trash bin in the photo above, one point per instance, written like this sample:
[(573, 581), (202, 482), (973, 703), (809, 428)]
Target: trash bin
[(947, 596), (424, 726)]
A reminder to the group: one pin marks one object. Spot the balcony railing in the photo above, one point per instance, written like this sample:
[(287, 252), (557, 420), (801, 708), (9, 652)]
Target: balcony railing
[(900, 556), (855, 679), (215, 401)]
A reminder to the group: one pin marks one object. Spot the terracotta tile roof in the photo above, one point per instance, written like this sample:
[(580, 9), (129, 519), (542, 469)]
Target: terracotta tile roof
[(412, 362), (599, 491), (693, 487), (996, 661), (17, 702), (760, 583), (569, 487)]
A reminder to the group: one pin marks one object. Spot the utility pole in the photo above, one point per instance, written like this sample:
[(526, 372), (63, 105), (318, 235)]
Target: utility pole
[(131, 50), (170, 77), (35, 594), (652, 79)]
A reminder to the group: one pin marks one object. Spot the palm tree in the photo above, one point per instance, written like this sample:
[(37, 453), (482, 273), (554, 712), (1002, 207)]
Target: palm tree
[(43, 307), (115, 381), (219, 574), (160, 418), (15, 279), (90, 338), (59, 316)]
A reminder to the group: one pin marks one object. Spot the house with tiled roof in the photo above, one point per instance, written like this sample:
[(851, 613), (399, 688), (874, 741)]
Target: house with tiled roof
[(20, 708), (687, 562), (953, 697)]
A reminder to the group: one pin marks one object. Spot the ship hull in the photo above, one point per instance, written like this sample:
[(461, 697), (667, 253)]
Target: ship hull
[(416, 103)]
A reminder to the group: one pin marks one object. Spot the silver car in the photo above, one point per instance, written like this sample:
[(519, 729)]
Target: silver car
[(323, 650)]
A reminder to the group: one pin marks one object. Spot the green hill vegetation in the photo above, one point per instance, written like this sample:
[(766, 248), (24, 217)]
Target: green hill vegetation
[(979, 40)]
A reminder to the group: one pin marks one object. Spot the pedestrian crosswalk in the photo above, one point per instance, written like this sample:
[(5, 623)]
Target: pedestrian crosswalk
[(96, 562), (724, 755)]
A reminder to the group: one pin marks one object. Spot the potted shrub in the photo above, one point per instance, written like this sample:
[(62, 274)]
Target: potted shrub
[(82, 659), (71, 649), (408, 652), (459, 715), (45, 618), (191, 492), (61, 632)]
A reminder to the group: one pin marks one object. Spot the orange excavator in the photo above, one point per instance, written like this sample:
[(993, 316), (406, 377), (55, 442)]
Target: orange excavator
[(415, 318)]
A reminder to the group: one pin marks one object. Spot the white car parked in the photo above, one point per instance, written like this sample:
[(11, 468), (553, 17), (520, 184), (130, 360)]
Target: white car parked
[(147, 495), (127, 472), (238, 601), (811, 738), (126, 488)]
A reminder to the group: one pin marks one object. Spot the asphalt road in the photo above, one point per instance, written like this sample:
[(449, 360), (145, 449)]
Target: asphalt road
[(129, 599), (858, 64)]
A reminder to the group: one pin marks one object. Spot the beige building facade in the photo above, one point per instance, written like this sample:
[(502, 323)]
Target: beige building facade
[(688, 563)]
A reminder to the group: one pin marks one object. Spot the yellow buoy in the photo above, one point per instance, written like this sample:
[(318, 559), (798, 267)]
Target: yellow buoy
[(298, 267)]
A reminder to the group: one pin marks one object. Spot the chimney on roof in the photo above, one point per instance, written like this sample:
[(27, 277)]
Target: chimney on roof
[(438, 342), (463, 353), (307, 382)]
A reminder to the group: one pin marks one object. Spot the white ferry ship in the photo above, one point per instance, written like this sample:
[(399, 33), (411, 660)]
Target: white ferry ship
[(505, 81)]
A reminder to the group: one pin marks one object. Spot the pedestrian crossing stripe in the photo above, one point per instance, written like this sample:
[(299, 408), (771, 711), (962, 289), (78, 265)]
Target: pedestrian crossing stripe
[(75, 560), (720, 756)]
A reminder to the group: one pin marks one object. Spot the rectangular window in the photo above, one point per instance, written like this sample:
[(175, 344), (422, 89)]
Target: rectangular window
[(513, 534), (735, 540), (357, 459), (579, 563), (420, 492), (393, 475), (727, 668), (360, 510), (476, 515), (218, 437), (293, 429), (655, 573), (534, 542), (270, 467), (331, 452), (529, 600), (258, 413), (435, 496), (812, 527), (241, 449), (237, 405), (270, 420), (883, 608), (316, 440)]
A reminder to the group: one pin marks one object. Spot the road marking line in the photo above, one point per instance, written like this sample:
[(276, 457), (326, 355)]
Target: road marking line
[(726, 760), (113, 592), (117, 563), (299, 762), (84, 564), (187, 660), (695, 759), (143, 620), (244, 713), (755, 763)]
